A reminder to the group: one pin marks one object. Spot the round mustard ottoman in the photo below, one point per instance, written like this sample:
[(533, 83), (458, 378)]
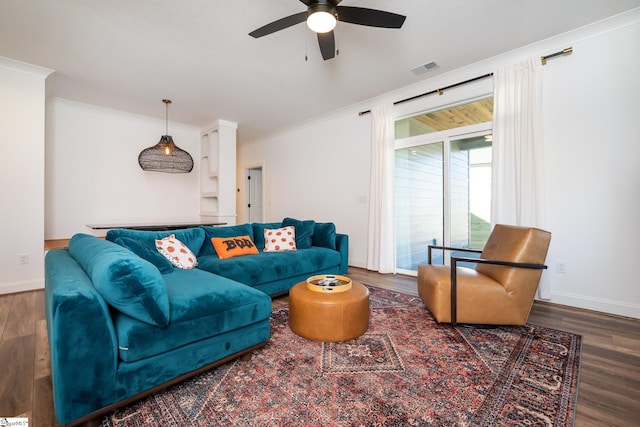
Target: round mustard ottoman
[(329, 317)]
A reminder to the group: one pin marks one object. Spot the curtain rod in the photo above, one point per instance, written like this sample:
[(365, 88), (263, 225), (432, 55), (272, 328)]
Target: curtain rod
[(438, 91), (441, 90), (566, 51)]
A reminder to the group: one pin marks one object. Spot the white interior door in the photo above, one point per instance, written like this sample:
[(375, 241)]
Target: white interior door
[(255, 212)]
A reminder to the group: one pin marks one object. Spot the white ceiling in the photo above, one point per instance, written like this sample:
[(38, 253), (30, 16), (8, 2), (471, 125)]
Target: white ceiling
[(130, 54)]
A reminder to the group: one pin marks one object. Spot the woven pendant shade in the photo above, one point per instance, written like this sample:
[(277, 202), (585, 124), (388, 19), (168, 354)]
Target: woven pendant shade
[(165, 156)]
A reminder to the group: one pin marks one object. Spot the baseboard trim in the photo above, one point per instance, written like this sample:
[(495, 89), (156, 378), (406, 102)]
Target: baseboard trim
[(358, 264), (22, 286), (619, 308)]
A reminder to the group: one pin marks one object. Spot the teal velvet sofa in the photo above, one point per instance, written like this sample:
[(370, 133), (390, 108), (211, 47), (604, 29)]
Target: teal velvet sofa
[(122, 323), (320, 250)]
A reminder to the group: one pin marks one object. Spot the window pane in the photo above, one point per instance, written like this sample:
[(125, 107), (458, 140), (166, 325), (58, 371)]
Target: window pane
[(447, 118), (470, 192), (480, 196), (419, 203)]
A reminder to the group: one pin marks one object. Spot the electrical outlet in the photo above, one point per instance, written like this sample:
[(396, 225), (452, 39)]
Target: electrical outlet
[(561, 267), (23, 258)]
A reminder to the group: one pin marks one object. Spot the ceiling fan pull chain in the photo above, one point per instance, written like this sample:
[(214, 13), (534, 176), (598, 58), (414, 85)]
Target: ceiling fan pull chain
[(306, 45)]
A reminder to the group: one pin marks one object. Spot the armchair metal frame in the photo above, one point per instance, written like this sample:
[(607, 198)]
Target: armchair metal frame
[(454, 269)]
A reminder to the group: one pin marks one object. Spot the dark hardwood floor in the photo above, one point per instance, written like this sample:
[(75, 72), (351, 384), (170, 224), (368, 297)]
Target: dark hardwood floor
[(609, 392)]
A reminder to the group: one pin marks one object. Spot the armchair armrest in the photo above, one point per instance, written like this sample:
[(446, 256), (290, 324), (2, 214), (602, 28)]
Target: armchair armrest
[(448, 248), (454, 276), (455, 260)]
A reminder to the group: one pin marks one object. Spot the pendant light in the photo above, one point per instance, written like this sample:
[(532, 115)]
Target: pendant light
[(165, 156)]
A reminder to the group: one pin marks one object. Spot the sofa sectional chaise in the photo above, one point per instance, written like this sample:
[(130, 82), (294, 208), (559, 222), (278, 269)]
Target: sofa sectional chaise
[(123, 322)]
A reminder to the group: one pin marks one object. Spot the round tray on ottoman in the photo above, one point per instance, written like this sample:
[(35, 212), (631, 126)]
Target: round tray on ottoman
[(329, 283), (329, 316)]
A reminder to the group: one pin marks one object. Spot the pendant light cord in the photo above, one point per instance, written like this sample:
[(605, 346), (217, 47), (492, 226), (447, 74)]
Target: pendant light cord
[(166, 115)]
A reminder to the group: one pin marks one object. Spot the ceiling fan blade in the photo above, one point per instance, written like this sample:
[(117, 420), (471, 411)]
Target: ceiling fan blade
[(310, 2), (327, 44), (280, 24), (369, 17)]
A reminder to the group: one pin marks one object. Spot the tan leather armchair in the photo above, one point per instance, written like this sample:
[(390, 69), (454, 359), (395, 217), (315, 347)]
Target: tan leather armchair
[(500, 291)]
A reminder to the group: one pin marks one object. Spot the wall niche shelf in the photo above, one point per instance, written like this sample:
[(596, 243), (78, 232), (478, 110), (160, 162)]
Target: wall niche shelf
[(218, 171)]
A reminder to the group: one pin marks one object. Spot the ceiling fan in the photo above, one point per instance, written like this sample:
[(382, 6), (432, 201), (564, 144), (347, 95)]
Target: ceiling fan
[(322, 16)]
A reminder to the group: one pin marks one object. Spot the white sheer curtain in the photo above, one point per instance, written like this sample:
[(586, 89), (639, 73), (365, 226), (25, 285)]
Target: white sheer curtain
[(518, 152), (381, 245)]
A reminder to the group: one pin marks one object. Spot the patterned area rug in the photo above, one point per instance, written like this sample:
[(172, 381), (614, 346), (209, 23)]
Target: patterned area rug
[(407, 370)]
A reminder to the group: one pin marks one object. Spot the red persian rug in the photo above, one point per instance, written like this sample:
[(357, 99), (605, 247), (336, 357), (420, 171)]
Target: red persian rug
[(407, 370)]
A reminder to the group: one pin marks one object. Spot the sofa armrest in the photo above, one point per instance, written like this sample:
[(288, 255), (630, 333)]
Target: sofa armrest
[(342, 246), (82, 339)]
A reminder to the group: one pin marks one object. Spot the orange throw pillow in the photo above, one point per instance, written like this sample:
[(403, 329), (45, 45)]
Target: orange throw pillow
[(228, 247)]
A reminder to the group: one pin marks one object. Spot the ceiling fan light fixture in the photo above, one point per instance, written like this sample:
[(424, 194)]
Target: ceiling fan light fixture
[(321, 18)]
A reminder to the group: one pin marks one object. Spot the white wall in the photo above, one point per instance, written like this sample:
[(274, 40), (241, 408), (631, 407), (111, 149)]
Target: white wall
[(93, 176), (320, 170), (22, 126), (593, 176)]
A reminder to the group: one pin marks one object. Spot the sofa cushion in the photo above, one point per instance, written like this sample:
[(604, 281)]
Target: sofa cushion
[(270, 266), (229, 247), (258, 232), (280, 239), (146, 253), (192, 237), (226, 231), (202, 305), (324, 235), (128, 283), (304, 231), (176, 252)]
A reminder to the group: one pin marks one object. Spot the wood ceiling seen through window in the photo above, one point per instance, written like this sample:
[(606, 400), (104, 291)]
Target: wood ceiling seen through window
[(459, 116)]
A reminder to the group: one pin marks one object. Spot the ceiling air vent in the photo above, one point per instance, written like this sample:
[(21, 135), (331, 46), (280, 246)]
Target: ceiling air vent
[(421, 69)]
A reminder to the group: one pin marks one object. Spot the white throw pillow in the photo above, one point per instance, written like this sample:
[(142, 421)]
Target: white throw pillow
[(176, 252), (280, 239)]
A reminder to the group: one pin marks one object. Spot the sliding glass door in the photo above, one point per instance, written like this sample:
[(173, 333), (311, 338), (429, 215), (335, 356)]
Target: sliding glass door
[(442, 193), (419, 208)]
